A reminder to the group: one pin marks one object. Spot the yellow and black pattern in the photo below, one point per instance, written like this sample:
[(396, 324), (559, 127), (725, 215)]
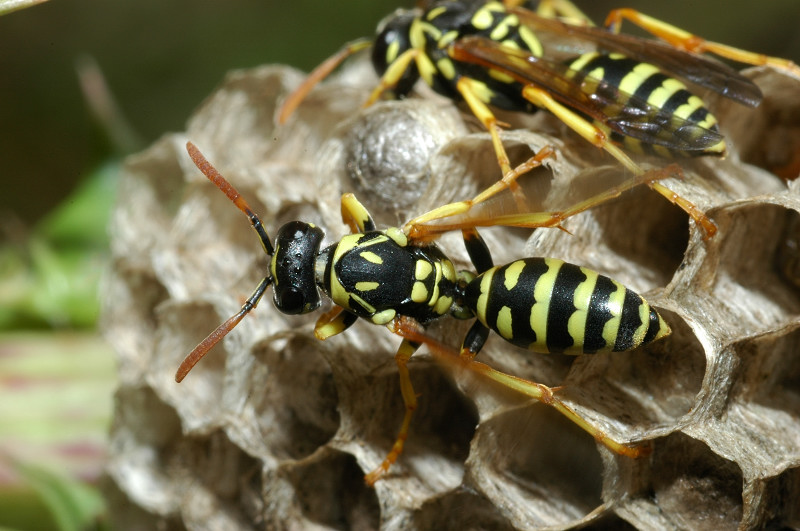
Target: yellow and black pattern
[(376, 275), (546, 305), (442, 24), (644, 109), (391, 278)]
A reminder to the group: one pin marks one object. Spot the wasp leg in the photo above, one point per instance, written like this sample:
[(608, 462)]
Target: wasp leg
[(544, 394), (590, 132), (333, 322), (433, 223), (692, 43), (470, 90), (477, 250), (355, 215), (404, 353), (547, 395), (294, 99), (393, 74)]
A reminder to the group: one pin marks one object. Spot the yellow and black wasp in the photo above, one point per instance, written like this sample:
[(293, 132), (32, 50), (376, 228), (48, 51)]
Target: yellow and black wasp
[(399, 278), (620, 92)]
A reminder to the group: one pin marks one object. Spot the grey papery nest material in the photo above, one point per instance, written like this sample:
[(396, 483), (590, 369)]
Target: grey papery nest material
[(274, 429)]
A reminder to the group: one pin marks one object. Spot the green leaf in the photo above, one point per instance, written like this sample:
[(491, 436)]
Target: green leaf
[(73, 505)]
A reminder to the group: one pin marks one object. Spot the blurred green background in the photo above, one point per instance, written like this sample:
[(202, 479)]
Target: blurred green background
[(159, 60)]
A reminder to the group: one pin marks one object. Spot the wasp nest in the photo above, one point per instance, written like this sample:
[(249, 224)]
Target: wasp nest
[(274, 429)]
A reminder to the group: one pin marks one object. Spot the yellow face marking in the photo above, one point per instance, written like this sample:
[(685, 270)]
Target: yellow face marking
[(576, 326), (371, 257), (419, 293), (381, 318), (366, 286), (422, 269), (512, 273), (542, 293), (504, 325)]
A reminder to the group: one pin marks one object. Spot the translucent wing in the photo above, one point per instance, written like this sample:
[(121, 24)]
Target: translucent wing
[(698, 69), (624, 113)]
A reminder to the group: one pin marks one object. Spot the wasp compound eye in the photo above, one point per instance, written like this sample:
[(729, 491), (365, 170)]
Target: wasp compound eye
[(290, 300), (296, 250)]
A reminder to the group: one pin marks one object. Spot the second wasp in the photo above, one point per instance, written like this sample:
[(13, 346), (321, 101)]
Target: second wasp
[(622, 93)]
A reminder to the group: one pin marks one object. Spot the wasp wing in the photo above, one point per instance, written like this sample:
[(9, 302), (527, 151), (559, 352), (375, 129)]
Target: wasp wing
[(698, 69), (624, 113)]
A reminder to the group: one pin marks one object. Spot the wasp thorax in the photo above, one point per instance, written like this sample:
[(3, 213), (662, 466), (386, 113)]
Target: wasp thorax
[(292, 267), (392, 40)]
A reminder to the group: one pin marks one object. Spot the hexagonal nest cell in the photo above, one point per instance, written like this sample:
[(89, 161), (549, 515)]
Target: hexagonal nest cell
[(275, 429)]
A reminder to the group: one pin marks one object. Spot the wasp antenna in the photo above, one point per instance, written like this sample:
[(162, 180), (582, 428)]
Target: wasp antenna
[(222, 330), (318, 74), (207, 344), (227, 188)]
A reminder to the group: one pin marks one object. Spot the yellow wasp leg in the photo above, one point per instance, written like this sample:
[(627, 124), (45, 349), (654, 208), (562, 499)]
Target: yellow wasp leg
[(404, 353), (692, 43), (333, 322), (318, 74), (337, 320), (393, 73), (433, 223), (471, 90), (543, 99), (411, 331), (355, 215), (546, 395)]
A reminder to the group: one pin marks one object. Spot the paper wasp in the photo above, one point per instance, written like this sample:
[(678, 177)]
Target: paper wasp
[(399, 278), (621, 93)]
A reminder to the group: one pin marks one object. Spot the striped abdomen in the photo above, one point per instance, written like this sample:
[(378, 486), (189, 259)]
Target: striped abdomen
[(546, 305), (651, 112)]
